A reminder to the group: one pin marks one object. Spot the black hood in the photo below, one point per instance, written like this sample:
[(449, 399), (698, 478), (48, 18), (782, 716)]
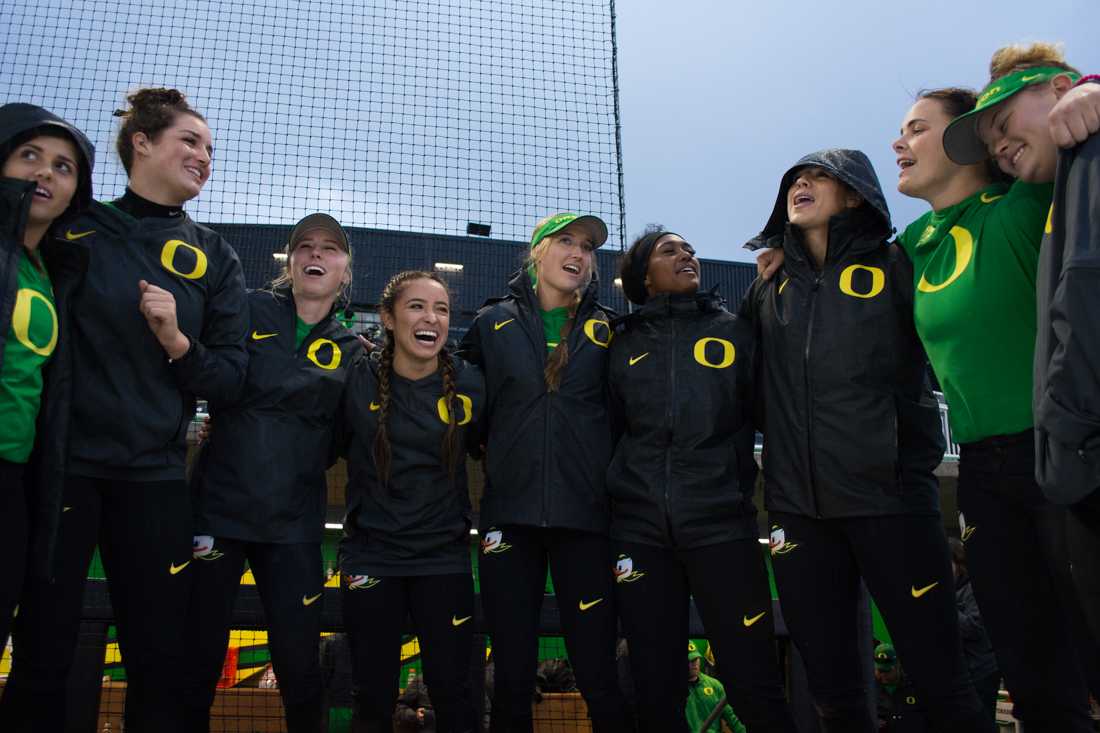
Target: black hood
[(18, 118), (851, 167)]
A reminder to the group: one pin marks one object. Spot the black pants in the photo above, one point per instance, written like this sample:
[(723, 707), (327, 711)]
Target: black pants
[(1083, 530), (513, 582), (904, 562), (289, 579), (442, 609), (1015, 548), (14, 539), (144, 535), (729, 583)]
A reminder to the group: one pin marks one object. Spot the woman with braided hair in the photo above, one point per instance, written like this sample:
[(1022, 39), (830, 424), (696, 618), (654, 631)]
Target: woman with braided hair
[(405, 419), (544, 348), (160, 320)]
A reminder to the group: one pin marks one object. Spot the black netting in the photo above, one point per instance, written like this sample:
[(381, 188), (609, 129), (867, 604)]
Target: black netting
[(393, 115)]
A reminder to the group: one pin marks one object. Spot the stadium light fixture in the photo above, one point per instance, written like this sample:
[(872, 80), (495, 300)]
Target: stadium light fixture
[(618, 282), (279, 256), (448, 267), (478, 230)]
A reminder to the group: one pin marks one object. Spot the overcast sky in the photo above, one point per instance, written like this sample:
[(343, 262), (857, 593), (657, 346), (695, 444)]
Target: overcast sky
[(719, 98)]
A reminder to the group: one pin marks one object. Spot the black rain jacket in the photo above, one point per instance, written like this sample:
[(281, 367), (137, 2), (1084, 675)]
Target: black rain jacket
[(851, 427), (1067, 349), (260, 477), (417, 522), (547, 452), (683, 470), (132, 406), (66, 263)]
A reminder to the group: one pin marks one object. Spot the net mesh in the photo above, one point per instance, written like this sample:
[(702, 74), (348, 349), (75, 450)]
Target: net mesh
[(396, 115)]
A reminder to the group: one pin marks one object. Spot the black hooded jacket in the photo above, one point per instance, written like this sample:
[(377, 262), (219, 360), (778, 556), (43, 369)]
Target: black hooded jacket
[(261, 475), (417, 522), (132, 404), (547, 452), (683, 470), (850, 425), (66, 263)]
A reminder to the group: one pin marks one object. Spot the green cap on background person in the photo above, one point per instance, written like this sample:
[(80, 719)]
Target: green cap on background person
[(885, 656)]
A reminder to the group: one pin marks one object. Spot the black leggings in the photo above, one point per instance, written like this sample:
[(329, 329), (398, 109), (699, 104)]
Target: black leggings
[(513, 565), (144, 535), (1083, 529), (289, 579), (442, 609), (1016, 550), (729, 583), (14, 539), (905, 564)]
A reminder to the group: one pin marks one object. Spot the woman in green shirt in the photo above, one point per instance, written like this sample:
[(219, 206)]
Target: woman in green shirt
[(47, 179), (974, 259)]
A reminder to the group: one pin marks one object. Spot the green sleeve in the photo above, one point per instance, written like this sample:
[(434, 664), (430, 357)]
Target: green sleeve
[(909, 237), (1021, 216), (728, 715)]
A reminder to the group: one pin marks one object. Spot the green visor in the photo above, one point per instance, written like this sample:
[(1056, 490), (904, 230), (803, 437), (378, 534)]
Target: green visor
[(592, 224), (961, 141)]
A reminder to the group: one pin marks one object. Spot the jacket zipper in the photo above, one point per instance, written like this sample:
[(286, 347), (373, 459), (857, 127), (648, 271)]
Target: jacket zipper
[(670, 416), (809, 392)]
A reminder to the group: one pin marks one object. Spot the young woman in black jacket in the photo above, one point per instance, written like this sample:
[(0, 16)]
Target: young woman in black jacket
[(259, 481), (46, 181), (682, 520), (406, 548), (544, 351), (159, 320), (851, 440)]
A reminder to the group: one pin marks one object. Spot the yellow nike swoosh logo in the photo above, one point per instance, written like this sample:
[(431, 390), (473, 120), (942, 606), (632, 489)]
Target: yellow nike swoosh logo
[(310, 601), (72, 237), (918, 592), (635, 359), (65, 509), (585, 606), (987, 199), (174, 569), (375, 407), (502, 324), (750, 621), (257, 336), (456, 621), (1026, 79)]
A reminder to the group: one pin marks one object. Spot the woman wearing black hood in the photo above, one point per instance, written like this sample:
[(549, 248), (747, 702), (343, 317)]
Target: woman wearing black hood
[(851, 439), (682, 519), (47, 180)]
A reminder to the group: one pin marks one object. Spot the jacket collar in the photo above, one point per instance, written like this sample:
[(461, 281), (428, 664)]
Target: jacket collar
[(15, 207)]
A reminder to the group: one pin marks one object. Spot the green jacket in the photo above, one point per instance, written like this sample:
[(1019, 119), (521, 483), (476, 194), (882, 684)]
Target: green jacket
[(703, 696)]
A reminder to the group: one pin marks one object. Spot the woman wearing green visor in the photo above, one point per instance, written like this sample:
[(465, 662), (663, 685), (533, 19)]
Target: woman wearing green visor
[(543, 347), (1010, 123)]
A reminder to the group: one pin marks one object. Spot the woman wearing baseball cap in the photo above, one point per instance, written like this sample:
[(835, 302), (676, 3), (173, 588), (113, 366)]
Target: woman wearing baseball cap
[(683, 524), (159, 320), (1055, 464), (46, 182), (259, 480), (543, 347), (851, 441)]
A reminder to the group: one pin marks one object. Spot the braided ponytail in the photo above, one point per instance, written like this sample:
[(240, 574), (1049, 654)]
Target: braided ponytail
[(450, 451), (382, 453)]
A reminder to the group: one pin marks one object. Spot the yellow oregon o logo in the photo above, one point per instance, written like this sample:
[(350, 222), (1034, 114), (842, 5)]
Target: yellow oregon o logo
[(964, 251), (168, 256), (590, 332), (878, 281), (333, 362), (911, 700), (21, 321), (729, 353), (467, 409)]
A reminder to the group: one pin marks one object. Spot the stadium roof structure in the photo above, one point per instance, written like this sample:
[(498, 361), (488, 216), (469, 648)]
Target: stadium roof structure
[(475, 268)]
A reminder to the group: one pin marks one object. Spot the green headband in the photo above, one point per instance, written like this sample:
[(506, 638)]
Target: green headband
[(961, 141)]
